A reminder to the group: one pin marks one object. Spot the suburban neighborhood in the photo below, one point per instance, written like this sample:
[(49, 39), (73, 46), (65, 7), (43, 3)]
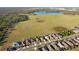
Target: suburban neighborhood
[(52, 42), (39, 29)]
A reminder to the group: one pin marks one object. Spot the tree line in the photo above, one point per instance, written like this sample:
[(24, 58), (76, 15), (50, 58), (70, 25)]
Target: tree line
[(9, 21)]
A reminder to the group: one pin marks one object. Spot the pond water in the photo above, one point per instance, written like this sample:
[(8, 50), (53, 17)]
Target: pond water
[(44, 12)]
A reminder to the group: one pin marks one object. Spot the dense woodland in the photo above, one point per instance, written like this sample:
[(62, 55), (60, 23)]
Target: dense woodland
[(7, 22)]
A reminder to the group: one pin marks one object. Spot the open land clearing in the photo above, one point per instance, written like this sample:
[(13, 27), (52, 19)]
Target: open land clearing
[(39, 25)]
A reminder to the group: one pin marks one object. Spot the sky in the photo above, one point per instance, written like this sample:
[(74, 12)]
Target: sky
[(38, 3)]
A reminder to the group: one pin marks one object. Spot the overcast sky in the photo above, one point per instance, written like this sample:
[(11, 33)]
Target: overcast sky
[(38, 3)]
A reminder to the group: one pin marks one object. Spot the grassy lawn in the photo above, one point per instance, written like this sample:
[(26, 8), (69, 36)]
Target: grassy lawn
[(0, 47), (41, 25), (75, 49)]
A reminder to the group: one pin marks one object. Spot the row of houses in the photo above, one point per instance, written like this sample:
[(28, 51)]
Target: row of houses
[(45, 38), (61, 45), (35, 41)]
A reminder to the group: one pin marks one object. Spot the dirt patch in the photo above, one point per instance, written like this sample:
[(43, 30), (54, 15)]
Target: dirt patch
[(59, 29), (39, 20), (5, 46)]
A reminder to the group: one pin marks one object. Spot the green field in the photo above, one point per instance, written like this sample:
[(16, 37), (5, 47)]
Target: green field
[(39, 25)]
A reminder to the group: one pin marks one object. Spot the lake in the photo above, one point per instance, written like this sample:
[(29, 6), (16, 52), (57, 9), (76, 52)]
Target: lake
[(44, 12)]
